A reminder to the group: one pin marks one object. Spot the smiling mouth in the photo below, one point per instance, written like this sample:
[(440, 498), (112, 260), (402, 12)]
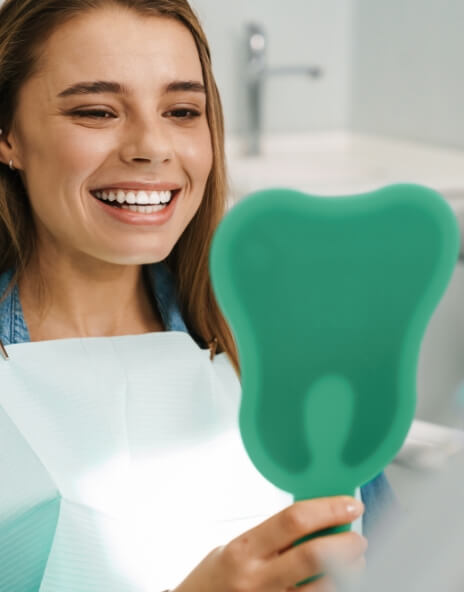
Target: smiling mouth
[(111, 200)]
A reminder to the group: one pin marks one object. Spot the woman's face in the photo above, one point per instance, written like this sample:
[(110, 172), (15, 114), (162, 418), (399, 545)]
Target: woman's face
[(153, 136)]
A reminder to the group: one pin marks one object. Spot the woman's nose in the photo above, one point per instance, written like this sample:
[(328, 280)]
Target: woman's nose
[(147, 141)]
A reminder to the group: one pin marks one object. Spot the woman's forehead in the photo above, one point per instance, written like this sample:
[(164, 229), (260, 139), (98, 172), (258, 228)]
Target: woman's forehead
[(147, 49)]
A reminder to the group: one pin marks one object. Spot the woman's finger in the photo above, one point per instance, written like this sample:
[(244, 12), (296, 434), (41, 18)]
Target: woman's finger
[(313, 557), (301, 518)]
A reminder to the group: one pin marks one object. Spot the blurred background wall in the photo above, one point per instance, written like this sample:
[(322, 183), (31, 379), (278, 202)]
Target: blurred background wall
[(392, 68), (407, 75)]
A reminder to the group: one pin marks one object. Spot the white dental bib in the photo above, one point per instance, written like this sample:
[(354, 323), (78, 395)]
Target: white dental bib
[(121, 463)]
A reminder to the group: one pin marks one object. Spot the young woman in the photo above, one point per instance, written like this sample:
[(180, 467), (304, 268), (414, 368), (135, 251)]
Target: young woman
[(112, 184)]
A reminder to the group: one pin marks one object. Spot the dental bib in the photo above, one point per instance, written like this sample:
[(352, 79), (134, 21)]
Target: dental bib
[(121, 463)]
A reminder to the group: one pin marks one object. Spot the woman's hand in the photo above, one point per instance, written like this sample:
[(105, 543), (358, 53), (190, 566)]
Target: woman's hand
[(264, 558)]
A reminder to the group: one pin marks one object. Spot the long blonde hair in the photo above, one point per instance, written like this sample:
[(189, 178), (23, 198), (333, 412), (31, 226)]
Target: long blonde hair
[(25, 25)]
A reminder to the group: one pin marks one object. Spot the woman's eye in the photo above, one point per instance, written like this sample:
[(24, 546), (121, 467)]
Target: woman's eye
[(93, 113), (180, 114), (183, 113)]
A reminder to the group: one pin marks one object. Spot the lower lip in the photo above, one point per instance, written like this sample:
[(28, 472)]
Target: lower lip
[(137, 219)]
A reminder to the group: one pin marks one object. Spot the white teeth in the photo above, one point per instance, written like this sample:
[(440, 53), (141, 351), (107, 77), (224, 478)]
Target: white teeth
[(144, 209), (135, 197), (142, 198)]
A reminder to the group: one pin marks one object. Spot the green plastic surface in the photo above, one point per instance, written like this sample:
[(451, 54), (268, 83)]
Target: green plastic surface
[(328, 300)]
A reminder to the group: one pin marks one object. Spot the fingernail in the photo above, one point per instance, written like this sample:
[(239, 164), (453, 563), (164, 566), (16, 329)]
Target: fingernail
[(355, 507)]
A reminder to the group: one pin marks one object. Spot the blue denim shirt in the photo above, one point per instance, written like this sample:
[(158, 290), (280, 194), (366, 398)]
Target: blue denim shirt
[(377, 495)]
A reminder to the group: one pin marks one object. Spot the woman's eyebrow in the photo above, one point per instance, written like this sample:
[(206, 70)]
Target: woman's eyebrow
[(106, 86)]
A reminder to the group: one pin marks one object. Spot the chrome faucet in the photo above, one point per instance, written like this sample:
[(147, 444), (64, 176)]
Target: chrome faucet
[(257, 71)]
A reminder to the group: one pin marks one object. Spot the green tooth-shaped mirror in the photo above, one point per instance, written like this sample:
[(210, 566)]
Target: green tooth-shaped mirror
[(328, 300)]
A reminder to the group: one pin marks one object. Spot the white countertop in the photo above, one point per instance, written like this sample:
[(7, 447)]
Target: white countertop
[(340, 162)]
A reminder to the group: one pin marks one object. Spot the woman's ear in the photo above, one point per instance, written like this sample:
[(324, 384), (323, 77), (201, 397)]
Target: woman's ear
[(7, 152)]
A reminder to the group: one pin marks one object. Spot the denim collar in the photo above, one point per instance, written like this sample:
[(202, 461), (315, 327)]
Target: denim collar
[(13, 328)]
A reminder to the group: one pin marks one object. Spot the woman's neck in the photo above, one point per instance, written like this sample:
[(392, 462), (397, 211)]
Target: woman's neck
[(96, 301)]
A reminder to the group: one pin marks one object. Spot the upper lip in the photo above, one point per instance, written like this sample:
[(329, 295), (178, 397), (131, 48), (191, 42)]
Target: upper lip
[(140, 186)]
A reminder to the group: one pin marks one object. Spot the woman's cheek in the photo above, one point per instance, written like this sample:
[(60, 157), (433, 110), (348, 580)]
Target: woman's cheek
[(81, 153), (200, 155)]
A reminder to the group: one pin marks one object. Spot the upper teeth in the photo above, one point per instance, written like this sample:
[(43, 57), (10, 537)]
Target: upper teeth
[(135, 197)]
